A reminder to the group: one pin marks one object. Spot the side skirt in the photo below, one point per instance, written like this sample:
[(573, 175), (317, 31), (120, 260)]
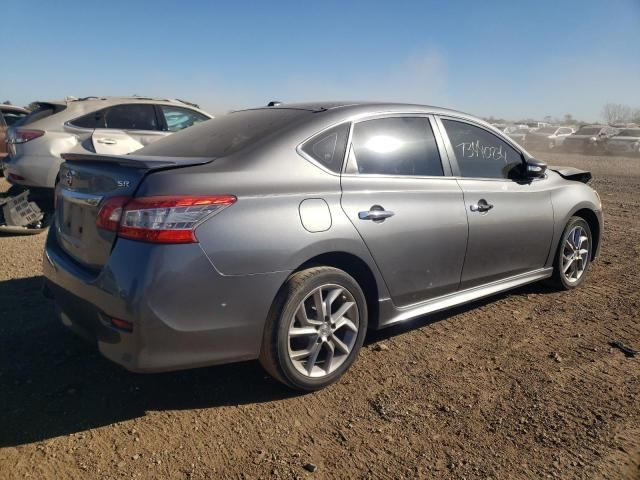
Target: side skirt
[(390, 314)]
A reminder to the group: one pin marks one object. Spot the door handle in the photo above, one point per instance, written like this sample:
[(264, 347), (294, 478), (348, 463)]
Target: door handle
[(376, 213), (482, 206), (106, 141)]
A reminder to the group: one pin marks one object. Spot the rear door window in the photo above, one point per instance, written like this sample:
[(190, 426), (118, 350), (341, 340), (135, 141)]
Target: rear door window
[(177, 118), (479, 153), (396, 146), (328, 147), (141, 116)]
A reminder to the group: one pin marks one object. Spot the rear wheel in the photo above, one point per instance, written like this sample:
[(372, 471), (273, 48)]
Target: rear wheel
[(573, 256), (315, 328)]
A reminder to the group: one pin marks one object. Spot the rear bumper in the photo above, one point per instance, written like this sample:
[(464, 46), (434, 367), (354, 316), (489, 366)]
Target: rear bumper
[(32, 170), (184, 313)]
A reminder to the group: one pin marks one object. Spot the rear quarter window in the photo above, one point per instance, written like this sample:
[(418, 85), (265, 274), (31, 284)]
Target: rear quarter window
[(328, 148)]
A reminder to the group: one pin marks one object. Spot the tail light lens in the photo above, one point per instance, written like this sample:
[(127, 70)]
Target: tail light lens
[(23, 135), (160, 219)]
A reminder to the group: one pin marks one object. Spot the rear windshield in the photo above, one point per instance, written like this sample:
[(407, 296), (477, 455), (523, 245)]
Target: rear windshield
[(11, 118), (43, 110), (226, 134)]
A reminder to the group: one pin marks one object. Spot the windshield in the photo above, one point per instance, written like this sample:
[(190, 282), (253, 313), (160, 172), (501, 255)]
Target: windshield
[(633, 132), (588, 131), (226, 134)]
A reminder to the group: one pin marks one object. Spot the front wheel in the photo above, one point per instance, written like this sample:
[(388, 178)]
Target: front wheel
[(573, 256), (315, 328)]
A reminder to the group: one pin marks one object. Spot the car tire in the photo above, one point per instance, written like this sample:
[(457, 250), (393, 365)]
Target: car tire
[(294, 311), (571, 263)]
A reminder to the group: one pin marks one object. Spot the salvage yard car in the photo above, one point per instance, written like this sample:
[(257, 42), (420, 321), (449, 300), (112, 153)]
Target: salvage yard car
[(284, 233), (109, 125), (625, 142), (9, 115), (589, 139), (518, 134), (547, 138)]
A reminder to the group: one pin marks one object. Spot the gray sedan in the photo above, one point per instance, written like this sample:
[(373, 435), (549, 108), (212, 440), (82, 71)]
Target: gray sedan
[(284, 233)]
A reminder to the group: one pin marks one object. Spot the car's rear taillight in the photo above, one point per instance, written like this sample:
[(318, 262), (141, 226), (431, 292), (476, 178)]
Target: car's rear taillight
[(23, 135), (160, 219)]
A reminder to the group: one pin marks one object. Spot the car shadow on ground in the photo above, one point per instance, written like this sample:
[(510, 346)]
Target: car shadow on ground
[(52, 383)]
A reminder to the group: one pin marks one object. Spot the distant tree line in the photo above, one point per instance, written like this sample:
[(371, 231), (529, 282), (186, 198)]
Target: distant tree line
[(612, 113), (619, 113)]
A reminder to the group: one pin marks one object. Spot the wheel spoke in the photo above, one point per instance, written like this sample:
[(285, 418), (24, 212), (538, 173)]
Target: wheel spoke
[(574, 271), (313, 356), (339, 344), (321, 310), (302, 331), (300, 354), (568, 265), (576, 238), (331, 297), (344, 308), (569, 244), (303, 318), (583, 238), (345, 322), (328, 361)]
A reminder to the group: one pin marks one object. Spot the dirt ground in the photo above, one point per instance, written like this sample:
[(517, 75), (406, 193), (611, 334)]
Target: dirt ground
[(523, 385)]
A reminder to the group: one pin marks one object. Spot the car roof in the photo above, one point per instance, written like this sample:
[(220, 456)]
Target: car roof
[(115, 100), (13, 108), (357, 106)]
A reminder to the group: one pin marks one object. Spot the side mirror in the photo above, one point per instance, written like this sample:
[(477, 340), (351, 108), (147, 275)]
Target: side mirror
[(536, 168)]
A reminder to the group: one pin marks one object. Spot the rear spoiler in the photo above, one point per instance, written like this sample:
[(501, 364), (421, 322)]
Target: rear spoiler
[(138, 161), (572, 173)]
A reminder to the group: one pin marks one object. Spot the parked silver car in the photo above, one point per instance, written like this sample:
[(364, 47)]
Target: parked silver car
[(285, 233), (626, 142), (107, 125), (547, 138), (518, 133), (590, 139)]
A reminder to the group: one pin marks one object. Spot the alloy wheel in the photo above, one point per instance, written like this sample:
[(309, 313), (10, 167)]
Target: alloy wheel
[(575, 254), (323, 330)]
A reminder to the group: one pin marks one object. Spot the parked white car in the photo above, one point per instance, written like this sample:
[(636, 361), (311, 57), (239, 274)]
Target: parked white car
[(547, 138), (104, 125)]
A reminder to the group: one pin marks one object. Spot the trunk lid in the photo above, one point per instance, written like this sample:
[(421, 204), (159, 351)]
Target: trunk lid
[(86, 181)]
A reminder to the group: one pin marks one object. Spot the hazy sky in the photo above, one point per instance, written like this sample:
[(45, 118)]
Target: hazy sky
[(508, 59)]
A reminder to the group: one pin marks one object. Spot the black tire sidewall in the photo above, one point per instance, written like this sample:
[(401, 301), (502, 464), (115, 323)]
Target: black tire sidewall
[(286, 367)]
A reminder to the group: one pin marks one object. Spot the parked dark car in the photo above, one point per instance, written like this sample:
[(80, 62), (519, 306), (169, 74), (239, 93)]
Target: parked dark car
[(589, 139), (284, 233), (626, 142)]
